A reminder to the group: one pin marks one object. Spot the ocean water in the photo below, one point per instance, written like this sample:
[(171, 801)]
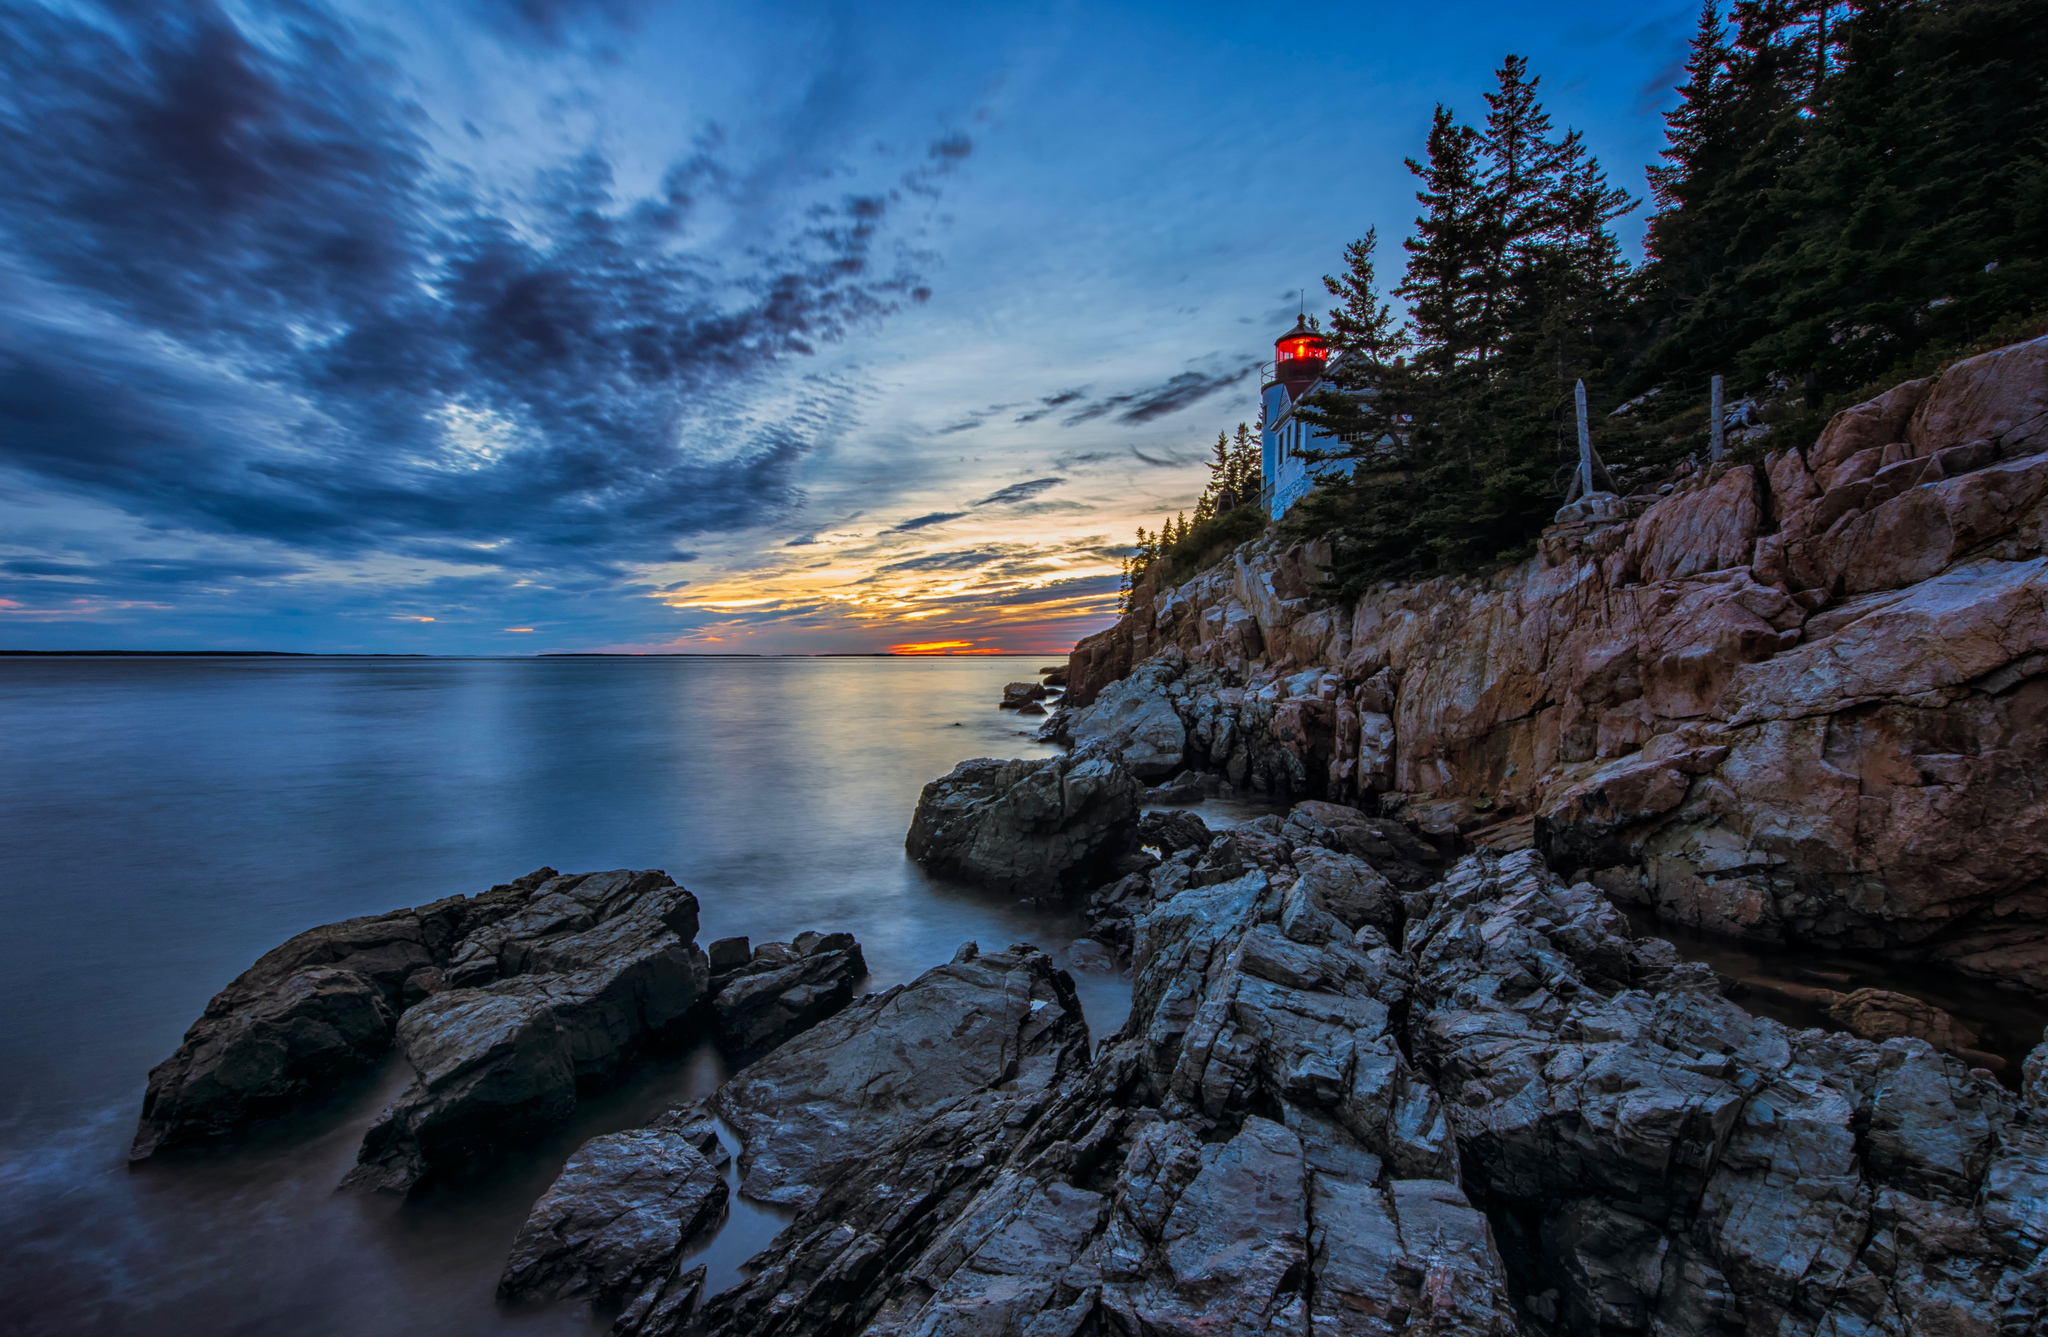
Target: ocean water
[(165, 821)]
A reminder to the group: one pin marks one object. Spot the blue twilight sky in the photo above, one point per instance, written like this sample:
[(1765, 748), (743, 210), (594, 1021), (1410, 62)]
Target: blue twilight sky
[(504, 326)]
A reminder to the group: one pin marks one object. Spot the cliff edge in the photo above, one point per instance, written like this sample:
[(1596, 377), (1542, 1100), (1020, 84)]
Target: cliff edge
[(1801, 700)]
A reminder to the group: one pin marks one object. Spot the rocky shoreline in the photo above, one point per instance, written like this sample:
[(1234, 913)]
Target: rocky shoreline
[(1362, 1088), (1395, 1062)]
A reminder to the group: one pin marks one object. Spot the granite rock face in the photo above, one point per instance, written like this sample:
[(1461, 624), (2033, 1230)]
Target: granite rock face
[(1804, 700), (1655, 1159), (1025, 826)]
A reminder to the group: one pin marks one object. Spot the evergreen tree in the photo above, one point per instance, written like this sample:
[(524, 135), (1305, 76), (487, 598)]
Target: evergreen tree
[(1446, 254)]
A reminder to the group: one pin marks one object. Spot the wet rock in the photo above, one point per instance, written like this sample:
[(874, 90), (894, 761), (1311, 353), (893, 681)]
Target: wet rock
[(614, 1221), (1665, 1161), (783, 988), (1172, 832), (1024, 826), (1135, 721), (1054, 677), (1878, 1014), (1017, 694), (310, 1013), (1389, 846), (816, 1109), (499, 1064)]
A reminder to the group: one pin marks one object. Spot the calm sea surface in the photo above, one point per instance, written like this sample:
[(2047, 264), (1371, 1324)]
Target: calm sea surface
[(163, 822)]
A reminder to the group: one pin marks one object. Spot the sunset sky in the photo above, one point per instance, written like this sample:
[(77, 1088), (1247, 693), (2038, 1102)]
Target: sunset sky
[(514, 326)]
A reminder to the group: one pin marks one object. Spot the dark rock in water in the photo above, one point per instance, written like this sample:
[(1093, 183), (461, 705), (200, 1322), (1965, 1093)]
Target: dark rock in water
[(1085, 954), (783, 988), (1024, 826), (853, 1112), (505, 1004), (1176, 794), (728, 954), (1017, 694), (1031, 708), (609, 968), (611, 1226), (311, 1013), (1055, 676)]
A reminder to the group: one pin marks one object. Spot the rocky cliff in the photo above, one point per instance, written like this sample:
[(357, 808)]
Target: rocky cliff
[(1801, 700)]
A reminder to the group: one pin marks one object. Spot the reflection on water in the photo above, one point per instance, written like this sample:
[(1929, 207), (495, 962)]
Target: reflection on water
[(167, 821), (1771, 979)]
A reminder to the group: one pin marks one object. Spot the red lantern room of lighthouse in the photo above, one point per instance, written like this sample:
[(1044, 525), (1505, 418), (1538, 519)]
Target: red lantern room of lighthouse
[(1300, 357)]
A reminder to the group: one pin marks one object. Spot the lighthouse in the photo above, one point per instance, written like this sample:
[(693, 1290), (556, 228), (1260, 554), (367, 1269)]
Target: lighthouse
[(1300, 358)]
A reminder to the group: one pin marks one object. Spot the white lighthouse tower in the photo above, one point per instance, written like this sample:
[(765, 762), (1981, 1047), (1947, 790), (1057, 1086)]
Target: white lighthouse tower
[(1300, 358)]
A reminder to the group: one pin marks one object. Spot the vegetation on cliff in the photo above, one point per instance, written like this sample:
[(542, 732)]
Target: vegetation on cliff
[(1851, 194)]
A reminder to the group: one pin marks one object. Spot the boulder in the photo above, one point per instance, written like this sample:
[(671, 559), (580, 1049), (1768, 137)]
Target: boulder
[(310, 1014), (783, 988), (1025, 826), (499, 1064), (613, 1222), (1172, 832), (1017, 694)]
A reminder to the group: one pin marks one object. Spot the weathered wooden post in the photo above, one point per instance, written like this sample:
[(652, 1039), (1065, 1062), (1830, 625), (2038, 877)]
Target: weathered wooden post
[(1716, 434), (1585, 487)]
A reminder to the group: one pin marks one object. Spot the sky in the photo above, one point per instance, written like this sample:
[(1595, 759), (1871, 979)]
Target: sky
[(530, 326)]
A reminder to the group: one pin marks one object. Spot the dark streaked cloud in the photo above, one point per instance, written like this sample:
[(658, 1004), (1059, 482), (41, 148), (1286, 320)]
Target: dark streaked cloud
[(1170, 396), (1019, 491), (924, 521), (1050, 403), (240, 294), (947, 561)]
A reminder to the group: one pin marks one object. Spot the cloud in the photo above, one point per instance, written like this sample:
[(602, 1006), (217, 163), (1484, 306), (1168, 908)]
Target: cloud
[(945, 561), (1019, 491), (925, 521), (1170, 396), (1051, 402), (240, 294), (549, 25)]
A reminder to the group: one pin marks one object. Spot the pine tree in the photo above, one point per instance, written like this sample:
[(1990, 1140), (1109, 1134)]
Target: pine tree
[(1446, 254), (1363, 325)]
